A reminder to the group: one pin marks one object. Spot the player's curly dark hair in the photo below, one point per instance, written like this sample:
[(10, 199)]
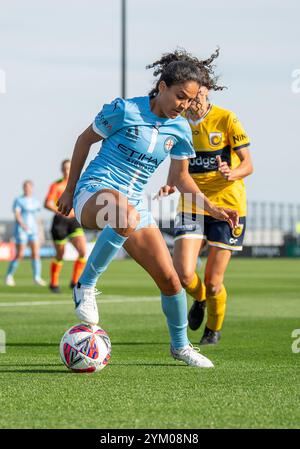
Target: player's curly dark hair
[(181, 66)]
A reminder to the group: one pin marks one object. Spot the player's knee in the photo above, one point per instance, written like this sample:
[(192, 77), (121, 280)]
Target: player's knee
[(128, 220), (186, 277), (59, 256), (170, 284), (213, 287), (81, 253)]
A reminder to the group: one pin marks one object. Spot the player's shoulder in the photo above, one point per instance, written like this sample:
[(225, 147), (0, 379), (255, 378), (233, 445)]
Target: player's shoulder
[(18, 199), (57, 182), (182, 121), (128, 103), (128, 107), (182, 126), (19, 202), (222, 112), (136, 104)]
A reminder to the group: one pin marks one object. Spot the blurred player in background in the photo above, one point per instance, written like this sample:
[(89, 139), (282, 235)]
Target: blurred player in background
[(138, 134), (222, 161), (62, 230), (25, 208)]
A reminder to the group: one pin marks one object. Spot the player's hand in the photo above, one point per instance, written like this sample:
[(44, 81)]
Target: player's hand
[(165, 191), (229, 215), (224, 169), (25, 227), (65, 203)]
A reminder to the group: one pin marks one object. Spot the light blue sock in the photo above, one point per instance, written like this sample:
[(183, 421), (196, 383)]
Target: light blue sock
[(106, 247), (12, 267), (175, 309), (36, 268)]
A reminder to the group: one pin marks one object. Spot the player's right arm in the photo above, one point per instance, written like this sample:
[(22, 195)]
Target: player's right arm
[(107, 122), (19, 219), (80, 154), (18, 215)]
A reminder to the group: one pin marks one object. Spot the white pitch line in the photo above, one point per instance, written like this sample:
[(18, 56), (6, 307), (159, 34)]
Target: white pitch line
[(35, 295), (109, 300), (33, 303)]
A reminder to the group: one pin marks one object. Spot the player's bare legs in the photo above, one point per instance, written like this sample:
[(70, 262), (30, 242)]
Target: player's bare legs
[(20, 250), (216, 295), (149, 249), (109, 207), (60, 250), (79, 243), (185, 256), (107, 210), (56, 265), (36, 263)]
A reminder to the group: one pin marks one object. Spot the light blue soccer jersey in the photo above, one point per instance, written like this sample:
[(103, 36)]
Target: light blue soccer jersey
[(136, 142), (29, 207)]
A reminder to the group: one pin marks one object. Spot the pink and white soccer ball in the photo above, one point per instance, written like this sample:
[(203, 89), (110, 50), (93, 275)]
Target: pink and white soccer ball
[(85, 349)]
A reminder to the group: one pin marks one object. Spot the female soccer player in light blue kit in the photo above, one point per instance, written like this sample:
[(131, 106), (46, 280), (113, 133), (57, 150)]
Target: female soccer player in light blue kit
[(25, 208), (138, 134)]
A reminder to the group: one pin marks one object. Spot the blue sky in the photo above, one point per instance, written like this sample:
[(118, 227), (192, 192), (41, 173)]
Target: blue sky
[(61, 61)]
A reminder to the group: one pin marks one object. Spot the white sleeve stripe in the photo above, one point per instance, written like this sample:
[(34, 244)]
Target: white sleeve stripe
[(96, 130), (180, 157)]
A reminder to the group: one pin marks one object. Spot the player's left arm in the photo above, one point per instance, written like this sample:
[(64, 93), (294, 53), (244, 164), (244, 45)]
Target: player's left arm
[(239, 142), (245, 168)]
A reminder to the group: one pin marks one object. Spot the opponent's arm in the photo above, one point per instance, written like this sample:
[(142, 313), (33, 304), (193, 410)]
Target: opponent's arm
[(80, 153), (50, 205), (179, 176), (244, 169)]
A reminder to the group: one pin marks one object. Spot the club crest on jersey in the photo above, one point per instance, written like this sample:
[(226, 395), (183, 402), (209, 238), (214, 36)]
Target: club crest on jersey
[(168, 145), (215, 139), (237, 232)]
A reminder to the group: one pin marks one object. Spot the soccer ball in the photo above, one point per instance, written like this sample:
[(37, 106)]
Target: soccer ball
[(85, 349)]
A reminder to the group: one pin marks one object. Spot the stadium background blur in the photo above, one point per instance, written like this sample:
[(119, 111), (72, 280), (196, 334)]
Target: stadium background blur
[(57, 70), (59, 63)]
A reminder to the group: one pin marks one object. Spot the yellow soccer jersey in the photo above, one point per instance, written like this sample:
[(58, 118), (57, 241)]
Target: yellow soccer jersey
[(217, 133)]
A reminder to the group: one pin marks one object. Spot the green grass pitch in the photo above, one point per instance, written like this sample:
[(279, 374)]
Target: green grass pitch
[(255, 383)]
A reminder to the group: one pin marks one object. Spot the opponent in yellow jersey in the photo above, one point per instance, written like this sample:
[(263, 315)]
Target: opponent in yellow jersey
[(64, 228), (222, 161), (217, 133)]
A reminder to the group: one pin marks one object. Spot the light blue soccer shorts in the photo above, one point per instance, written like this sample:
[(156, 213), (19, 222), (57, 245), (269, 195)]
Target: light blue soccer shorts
[(23, 237), (84, 193)]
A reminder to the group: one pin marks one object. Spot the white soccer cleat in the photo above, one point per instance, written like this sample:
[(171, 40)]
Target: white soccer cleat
[(85, 303), (9, 280), (40, 281), (191, 356)]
